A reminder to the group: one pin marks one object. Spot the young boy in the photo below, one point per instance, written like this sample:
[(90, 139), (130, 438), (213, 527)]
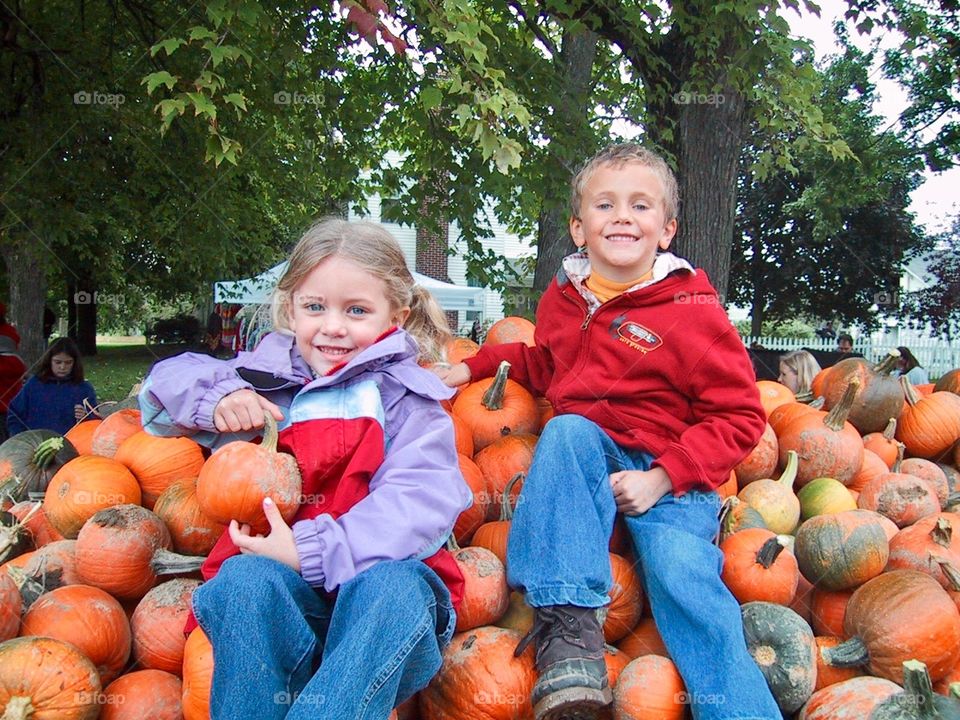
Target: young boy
[(656, 401)]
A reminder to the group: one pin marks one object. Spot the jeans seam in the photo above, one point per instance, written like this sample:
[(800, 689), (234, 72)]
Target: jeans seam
[(391, 667)]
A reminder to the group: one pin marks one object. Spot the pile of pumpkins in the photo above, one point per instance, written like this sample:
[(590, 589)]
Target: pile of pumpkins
[(837, 532)]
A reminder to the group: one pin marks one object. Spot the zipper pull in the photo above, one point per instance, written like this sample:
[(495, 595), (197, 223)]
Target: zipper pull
[(586, 321)]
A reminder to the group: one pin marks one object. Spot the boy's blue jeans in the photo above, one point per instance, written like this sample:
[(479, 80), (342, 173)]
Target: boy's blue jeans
[(379, 643), (558, 555)]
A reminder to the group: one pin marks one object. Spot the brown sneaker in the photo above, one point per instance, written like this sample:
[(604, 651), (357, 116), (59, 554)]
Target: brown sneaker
[(572, 682)]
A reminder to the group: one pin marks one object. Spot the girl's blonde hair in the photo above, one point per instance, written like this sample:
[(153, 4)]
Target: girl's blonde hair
[(373, 248), (804, 365)]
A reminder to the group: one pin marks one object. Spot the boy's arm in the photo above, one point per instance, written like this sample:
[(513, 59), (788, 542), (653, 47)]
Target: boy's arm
[(415, 498), (728, 419)]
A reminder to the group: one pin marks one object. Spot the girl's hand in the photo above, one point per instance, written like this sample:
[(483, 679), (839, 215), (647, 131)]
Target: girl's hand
[(453, 376), (636, 491), (243, 410), (278, 545)]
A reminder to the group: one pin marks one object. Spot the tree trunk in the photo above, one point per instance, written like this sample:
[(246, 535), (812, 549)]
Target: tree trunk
[(82, 316), (28, 292), (711, 140), (574, 67)]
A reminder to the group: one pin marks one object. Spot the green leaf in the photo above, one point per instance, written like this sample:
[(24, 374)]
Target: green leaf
[(153, 80), (168, 46), (198, 32), (237, 100), (170, 108), (430, 97), (202, 105)]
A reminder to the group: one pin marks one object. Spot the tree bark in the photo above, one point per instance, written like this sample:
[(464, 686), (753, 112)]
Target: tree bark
[(574, 66), (28, 290), (82, 316)]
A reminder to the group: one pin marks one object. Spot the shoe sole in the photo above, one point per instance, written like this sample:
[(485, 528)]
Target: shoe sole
[(576, 703)]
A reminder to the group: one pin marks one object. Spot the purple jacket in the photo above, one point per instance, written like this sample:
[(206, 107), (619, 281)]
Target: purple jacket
[(414, 497)]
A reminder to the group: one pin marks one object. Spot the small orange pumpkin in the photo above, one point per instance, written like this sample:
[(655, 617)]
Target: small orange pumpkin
[(762, 460), (511, 329), (493, 534), (117, 427), (11, 605), (774, 394), (486, 595), (474, 516), (142, 694), (650, 687), (500, 461), (497, 406), (756, 568), (883, 443), (192, 532), (157, 462), (197, 676), (626, 599), (643, 639), (84, 486), (157, 625), (827, 674), (81, 435), (47, 679), (930, 425)]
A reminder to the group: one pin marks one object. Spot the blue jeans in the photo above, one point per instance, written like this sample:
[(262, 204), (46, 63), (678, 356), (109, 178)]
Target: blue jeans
[(558, 555), (282, 650)]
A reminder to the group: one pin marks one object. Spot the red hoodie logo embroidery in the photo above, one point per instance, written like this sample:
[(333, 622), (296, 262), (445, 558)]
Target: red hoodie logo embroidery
[(638, 337)]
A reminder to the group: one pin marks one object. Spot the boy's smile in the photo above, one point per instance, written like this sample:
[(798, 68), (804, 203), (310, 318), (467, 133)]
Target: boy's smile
[(622, 221)]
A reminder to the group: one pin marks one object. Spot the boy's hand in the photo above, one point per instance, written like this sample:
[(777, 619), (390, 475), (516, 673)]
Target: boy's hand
[(454, 375), (636, 491), (278, 545), (243, 410)]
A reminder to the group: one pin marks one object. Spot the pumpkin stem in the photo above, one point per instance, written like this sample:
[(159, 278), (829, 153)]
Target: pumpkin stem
[(506, 507), (955, 690), (19, 707), (269, 433), (901, 448), (452, 545), (890, 430), (789, 474), (47, 450), (850, 653), (942, 532), (805, 397), (949, 572), (918, 690), (493, 397), (769, 552), (838, 415), (909, 391), (165, 562), (888, 364), (818, 402)]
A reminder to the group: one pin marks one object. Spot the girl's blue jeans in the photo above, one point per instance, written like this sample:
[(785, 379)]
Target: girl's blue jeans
[(557, 554), (282, 650)]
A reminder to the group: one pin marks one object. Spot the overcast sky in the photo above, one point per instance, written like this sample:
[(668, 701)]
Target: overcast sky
[(934, 202)]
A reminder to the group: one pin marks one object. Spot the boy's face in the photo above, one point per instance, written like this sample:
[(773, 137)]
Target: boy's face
[(622, 221)]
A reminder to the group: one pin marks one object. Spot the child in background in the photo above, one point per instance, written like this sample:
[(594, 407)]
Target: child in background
[(381, 484), (909, 365), (656, 401), (54, 398), (797, 371)]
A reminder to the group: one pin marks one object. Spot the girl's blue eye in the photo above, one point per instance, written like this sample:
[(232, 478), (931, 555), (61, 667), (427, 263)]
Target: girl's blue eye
[(356, 310), (314, 307)]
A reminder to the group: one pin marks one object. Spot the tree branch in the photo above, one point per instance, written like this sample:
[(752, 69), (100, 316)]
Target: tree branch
[(535, 29)]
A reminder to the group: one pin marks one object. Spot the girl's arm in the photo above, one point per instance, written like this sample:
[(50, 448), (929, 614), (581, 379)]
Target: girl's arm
[(179, 395), (415, 498)]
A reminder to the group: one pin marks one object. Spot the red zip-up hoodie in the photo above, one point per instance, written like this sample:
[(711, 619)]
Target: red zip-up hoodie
[(660, 368)]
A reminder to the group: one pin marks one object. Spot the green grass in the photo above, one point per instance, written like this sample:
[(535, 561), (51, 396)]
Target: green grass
[(115, 369)]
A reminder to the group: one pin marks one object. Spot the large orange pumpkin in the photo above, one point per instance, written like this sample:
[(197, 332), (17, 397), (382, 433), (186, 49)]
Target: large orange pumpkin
[(510, 329), (901, 497), (854, 698), (920, 546), (192, 532), (841, 550), (497, 406), (84, 486), (117, 427), (899, 615), (649, 688), (90, 619), (234, 481), (157, 462), (157, 624), (122, 550), (930, 425), (879, 397), (197, 676), (480, 677), (143, 694), (46, 679)]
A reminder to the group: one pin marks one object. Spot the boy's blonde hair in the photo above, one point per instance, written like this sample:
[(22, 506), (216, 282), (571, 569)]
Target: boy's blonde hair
[(619, 154), (373, 248), (804, 365)]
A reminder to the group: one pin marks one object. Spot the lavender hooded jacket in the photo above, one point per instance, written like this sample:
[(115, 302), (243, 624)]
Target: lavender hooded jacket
[(416, 494)]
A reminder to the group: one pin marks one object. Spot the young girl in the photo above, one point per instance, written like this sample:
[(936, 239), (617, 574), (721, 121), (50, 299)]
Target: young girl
[(381, 489), (53, 399)]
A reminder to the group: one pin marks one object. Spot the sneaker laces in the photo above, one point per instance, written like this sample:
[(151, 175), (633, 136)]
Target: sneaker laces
[(551, 623)]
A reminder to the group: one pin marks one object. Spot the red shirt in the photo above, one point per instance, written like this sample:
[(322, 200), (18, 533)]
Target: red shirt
[(11, 379), (659, 368)]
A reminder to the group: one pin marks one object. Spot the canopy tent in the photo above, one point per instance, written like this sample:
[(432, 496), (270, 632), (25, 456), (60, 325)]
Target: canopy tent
[(256, 290)]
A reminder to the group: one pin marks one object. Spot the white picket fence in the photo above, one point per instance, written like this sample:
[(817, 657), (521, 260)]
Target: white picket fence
[(935, 355)]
